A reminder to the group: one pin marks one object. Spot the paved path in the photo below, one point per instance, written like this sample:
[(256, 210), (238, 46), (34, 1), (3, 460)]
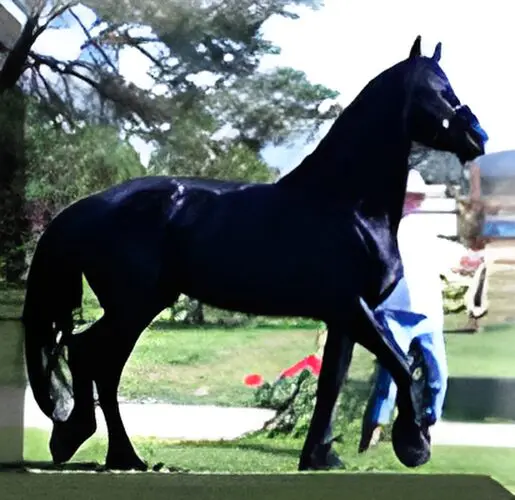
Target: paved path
[(474, 434), (205, 422), (183, 422)]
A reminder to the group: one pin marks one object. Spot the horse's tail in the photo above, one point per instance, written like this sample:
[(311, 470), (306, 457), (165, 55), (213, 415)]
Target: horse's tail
[(54, 290)]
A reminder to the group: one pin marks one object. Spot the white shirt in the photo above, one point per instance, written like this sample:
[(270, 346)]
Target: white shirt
[(420, 290)]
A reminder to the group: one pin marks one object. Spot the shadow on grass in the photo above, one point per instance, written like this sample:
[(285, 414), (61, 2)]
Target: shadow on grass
[(45, 466), (26, 466), (162, 325), (509, 324)]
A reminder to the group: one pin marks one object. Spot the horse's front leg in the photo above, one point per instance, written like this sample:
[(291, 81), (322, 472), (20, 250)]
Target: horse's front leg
[(410, 434), (317, 453)]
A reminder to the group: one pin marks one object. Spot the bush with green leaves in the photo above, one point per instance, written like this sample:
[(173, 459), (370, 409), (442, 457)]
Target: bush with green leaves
[(294, 398)]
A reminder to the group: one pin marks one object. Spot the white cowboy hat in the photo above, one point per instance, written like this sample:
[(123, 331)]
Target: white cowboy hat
[(416, 184)]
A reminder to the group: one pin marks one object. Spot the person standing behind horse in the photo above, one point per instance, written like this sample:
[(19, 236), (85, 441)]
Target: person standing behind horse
[(414, 309)]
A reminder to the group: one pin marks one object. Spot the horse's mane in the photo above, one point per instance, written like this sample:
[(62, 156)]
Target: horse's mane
[(350, 158)]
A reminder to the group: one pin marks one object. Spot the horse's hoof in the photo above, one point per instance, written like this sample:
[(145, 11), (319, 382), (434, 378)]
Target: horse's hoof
[(125, 463), (411, 443), (67, 437), (323, 457)]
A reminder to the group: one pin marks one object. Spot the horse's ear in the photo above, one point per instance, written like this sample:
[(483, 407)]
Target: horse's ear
[(415, 48), (438, 52)]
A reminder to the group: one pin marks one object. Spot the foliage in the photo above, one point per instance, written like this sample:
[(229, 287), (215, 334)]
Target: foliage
[(190, 150), (178, 40), (294, 400), (454, 297), (221, 134), (437, 167), (64, 166), (200, 56), (273, 107)]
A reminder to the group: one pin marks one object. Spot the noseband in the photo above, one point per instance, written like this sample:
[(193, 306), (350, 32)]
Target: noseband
[(462, 112)]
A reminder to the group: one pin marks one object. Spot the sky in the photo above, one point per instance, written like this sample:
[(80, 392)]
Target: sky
[(346, 43)]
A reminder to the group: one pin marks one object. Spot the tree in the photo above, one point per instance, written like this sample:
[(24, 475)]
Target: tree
[(13, 224), (436, 167), (222, 134), (190, 150), (64, 166), (273, 107), (195, 49)]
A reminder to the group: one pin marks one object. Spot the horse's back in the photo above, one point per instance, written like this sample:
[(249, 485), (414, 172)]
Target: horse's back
[(119, 235), (136, 197)]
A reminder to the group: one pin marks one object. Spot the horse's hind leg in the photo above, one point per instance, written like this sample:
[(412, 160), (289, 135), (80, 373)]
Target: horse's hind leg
[(68, 436), (317, 453), (114, 350), (99, 355)]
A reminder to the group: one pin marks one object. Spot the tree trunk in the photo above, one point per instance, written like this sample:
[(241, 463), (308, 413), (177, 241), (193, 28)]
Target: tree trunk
[(13, 220)]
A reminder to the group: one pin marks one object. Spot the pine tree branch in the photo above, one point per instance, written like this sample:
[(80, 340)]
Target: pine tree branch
[(128, 100), (65, 68), (90, 41), (54, 13)]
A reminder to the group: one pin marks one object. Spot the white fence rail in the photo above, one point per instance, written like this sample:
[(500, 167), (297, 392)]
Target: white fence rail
[(438, 212)]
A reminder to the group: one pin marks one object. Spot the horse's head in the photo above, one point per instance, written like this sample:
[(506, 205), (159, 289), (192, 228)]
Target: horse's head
[(436, 116)]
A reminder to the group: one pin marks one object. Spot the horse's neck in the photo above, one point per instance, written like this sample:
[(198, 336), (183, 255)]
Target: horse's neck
[(363, 160)]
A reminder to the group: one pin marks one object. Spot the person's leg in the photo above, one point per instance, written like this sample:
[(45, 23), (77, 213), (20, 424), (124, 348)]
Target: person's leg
[(476, 298), (379, 409)]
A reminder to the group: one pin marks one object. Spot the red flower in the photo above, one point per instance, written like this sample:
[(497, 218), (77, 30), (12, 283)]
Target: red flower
[(314, 363), (253, 380), (311, 362), (293, 370)]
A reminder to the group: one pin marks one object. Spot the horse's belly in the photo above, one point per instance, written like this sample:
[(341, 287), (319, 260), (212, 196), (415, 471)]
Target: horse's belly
[(265, 285), (258, 300)]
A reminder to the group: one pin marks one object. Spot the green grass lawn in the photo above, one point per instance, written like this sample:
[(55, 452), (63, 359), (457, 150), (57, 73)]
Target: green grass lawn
[(208, 365), (250, 455), (178, 365), (490, 353), (187, 365)]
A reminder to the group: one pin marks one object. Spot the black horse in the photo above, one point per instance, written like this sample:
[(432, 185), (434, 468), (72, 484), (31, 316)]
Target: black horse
[(319, 243)]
